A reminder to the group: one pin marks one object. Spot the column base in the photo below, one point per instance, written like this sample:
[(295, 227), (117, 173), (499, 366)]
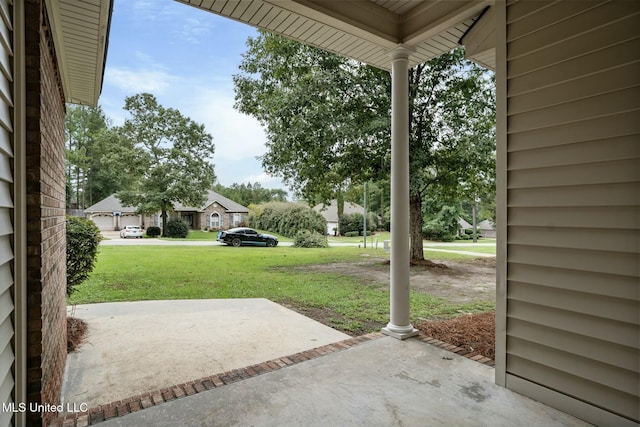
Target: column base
[(400, 332)]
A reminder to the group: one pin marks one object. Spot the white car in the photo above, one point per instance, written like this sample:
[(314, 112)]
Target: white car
[(131, 231)]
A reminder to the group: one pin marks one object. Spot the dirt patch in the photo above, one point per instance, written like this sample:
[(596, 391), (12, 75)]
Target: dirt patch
[(334, 319), (456, 282)]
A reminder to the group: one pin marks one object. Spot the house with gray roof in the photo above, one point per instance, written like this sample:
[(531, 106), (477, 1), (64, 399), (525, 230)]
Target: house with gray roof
[(110, 215), (330, 213), (487, 228), (463, 225), (218, 212)]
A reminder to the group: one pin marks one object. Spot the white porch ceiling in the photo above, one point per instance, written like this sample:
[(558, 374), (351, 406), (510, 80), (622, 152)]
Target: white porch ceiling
[(365, 30), (80, 31)]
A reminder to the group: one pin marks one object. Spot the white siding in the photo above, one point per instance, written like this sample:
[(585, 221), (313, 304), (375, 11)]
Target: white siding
[(573, 203), (6, 213)]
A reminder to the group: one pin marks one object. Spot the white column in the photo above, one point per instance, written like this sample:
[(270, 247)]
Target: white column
[(399, 325)]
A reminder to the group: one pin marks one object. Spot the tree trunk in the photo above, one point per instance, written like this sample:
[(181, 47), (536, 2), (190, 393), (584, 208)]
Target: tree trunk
[(415, 227), (77, 187), (340, 207), (475, 228), (164, 221)]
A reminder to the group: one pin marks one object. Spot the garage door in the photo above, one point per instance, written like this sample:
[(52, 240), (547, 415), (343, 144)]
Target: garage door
[(129, 220), (103, 222)]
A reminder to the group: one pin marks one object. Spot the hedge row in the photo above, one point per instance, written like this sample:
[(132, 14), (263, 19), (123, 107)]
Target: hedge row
[(287, 219)]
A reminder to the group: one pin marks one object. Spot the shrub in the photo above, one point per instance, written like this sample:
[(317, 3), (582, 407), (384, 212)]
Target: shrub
[(432, 230), (177, 228), (287, 219), (307, 239), (351, 234), (443, 227), (463, 237), (153, 231), (83, 238), (355, 222)]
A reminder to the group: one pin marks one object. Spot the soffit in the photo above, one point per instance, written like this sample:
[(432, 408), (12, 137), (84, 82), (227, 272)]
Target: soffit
[(365, 30), (80, 31)]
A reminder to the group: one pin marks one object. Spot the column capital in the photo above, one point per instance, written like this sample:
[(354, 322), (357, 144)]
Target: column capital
[(401, 51)]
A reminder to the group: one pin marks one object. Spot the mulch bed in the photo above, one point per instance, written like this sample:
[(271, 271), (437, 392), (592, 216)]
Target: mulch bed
[(473, 332), (76, 333)]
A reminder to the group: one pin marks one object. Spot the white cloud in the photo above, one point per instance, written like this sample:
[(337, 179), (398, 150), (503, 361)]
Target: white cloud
[(266, 180), (135, 81), (184, 23), (235, 135), (193, 30)]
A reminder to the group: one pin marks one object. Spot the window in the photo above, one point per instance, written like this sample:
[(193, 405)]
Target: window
[(237, 219), (215, 220)]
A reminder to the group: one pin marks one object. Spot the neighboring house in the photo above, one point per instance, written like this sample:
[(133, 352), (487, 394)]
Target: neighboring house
[(487, 228), (567, 160), (330, 213), (463, 225), (109, 214), (217, 212)]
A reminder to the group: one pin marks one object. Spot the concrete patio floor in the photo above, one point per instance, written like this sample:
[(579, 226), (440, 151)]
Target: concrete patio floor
[(255, 363), (137, 347), (382, 382), (372, 381)]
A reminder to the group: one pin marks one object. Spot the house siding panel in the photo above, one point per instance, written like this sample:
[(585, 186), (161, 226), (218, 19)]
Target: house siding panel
[(573, 205), (6, 217)]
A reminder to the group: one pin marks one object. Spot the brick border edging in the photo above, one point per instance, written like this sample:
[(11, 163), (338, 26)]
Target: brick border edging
[(455, 349), (132, 404)]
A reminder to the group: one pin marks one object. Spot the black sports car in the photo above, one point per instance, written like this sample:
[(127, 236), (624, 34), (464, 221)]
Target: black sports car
[(246, 236)]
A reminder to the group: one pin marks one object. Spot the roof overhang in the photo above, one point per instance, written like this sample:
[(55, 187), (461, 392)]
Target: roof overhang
[(80, 31), (480, 40), (365, 30)]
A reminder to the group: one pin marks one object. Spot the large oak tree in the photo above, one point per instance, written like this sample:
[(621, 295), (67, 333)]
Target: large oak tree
[(327, 120), (171, 157)]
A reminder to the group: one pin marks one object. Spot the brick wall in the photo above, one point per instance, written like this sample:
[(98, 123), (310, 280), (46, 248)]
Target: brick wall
[(46, 250), (226, 218)]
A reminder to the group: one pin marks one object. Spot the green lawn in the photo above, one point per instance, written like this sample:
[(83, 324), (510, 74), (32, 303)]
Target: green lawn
[(132, 273)]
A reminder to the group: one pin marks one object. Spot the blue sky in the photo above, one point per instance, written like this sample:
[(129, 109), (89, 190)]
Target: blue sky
[(186, 57)]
